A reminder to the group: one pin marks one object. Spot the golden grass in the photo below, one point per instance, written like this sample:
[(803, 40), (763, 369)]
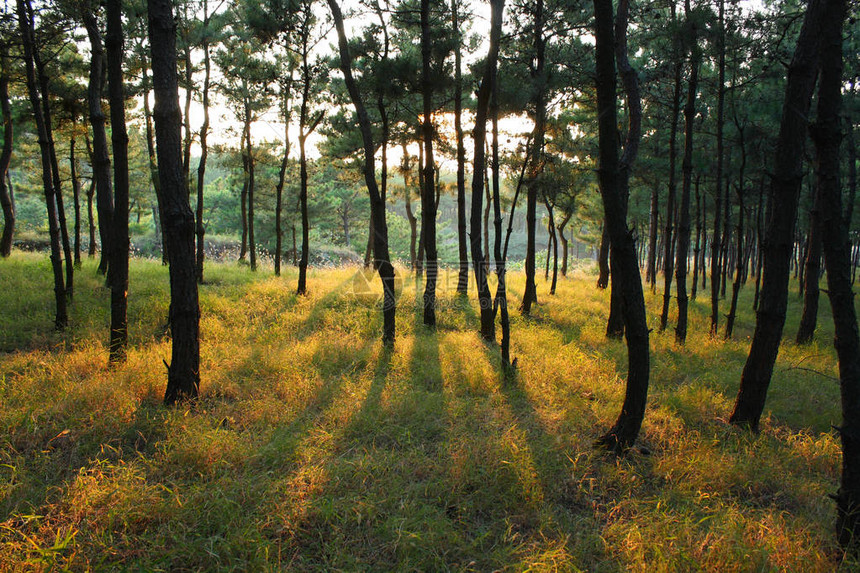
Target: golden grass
[(315, 449)]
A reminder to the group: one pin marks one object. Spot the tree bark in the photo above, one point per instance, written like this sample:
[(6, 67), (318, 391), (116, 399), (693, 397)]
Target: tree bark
[(827, 134), (44, 85), (286, 87), (538, 76), (630, 81), (428, 197), (200, 228), (651, 268), (6, 154), (119, 224), (101, 159), (683, 249), (25, 23), (183, 374), (785, 189), (76, 196), (377, 202), (716, 243), (153, 163), (626, 428), (668, 239), (740, 261), (462, 239), (479, 136)]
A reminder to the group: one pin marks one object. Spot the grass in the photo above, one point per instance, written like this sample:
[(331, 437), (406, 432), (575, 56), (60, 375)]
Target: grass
[(313, 448)]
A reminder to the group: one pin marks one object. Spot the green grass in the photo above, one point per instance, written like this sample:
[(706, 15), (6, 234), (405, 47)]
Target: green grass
[(315, 449)]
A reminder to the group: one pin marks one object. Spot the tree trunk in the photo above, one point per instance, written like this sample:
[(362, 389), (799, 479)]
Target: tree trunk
[(282, 174), (479, 137), (623, 434), (462, 239), (564, 243), (410, 216), (740, 261), (204, 148), (119, 228), (603, 260), (785, 189), (651, 268), (716, 243), (153, 163), (668, 258), (101, 159), (630, 81), (501, 299), (6, 154), (812, 274), (697, 248), (826, 134), (91, 222), (25, 23), (55, 172), (538, 77), (377, 203), (252, 242), (428, 198), (183, 374), (687, 169), (76, 196)]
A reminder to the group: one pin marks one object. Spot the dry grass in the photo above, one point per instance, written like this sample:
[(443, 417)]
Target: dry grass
[(314, 449)]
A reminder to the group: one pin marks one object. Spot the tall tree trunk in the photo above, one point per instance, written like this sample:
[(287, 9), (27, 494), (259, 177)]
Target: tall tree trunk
[(44, 85), (377, 203), (785, 190), (630, 81), (500, 302), (306, 128), (428, 198), (687, 168), (243, 197), (740, 261), (716, 243), (76, 195), (651, 269), (189, 88), (302, 286), (419, 259), (91, 191), (183, 374), (462, 239), (538, 77), (119, 228), (603, 260), (668, 258), (479, 137), (204, 148), (564, 243), (697, 248), (760, 240), (812, 274), (6, 154), (826, 134), (626, 428), (410, 216), (26, 27), (286, 87), (101, 159), (153, 163), (252, 242)]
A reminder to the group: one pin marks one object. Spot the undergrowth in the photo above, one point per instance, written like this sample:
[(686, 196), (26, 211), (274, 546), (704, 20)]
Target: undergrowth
[(314, 448)]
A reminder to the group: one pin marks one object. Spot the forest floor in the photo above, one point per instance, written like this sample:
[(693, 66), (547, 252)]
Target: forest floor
[(312, 448)]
